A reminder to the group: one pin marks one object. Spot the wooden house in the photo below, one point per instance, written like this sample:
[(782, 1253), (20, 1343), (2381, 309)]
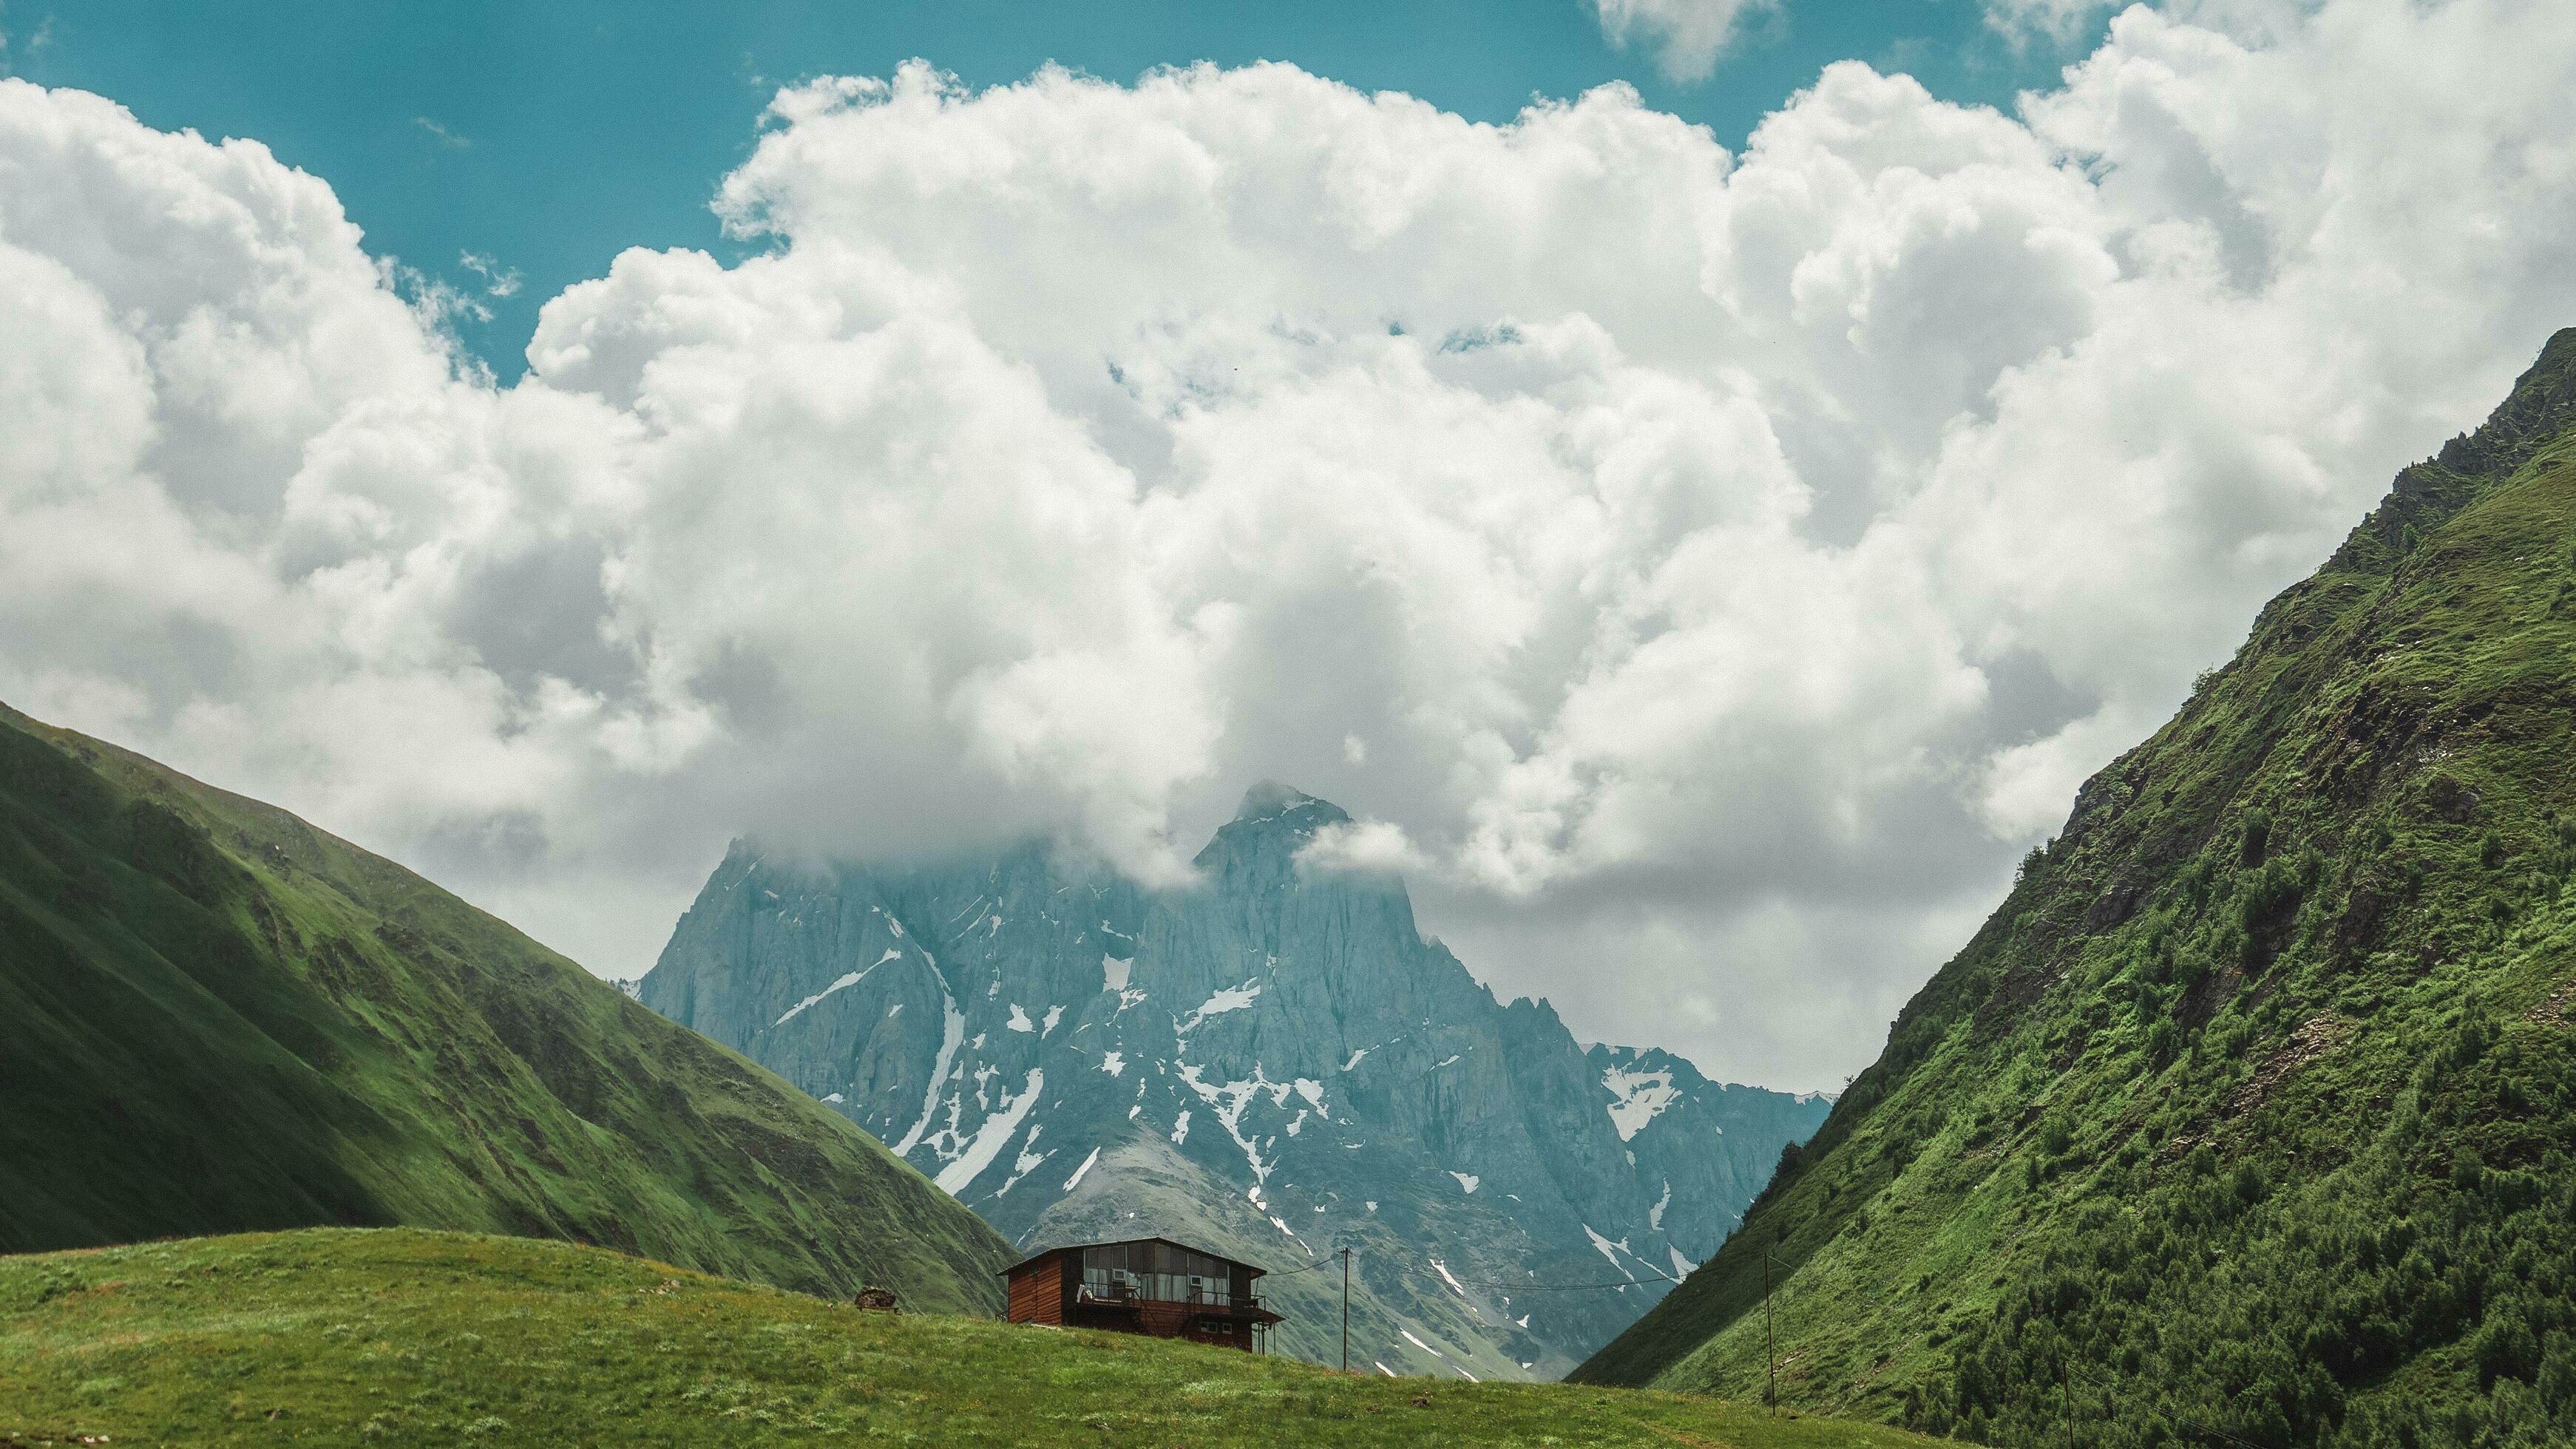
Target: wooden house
[(1144, 1285)]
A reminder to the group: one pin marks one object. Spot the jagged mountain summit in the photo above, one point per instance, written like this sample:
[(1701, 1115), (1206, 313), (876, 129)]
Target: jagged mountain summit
[(2247, 1117), (1274, 1063)]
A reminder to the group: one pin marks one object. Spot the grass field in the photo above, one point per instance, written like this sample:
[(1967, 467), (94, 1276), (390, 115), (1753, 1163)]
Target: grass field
[(397, 1335)]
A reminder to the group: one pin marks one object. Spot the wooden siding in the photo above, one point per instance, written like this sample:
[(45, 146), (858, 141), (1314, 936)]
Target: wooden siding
[(1037, 1292)]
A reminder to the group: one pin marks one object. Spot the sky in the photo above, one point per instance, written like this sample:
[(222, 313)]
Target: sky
[(544, 140), (1701, 481)]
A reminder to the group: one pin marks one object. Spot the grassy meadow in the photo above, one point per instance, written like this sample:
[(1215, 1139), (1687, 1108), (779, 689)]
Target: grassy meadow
[(397, 1335)]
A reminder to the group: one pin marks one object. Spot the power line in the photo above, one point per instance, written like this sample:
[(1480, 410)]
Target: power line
[(1505, 1285), (1512, 1286)]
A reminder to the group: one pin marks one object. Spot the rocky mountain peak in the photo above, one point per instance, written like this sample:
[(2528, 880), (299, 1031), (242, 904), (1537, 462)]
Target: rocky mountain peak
[(1272, 810), (1269, 797), (1271, 1063), (1259, 846)]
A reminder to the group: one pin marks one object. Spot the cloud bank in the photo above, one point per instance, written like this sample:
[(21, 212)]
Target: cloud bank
[(1704, 572)]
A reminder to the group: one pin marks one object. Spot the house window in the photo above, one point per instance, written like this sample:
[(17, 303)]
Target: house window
[(1157, 1272)]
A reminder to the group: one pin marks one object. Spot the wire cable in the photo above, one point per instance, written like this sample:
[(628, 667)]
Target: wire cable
[(1508, 1286)]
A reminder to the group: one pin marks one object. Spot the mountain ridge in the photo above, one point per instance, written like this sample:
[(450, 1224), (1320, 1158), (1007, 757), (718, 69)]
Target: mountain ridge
[(244, 1022), (2246, 1115)]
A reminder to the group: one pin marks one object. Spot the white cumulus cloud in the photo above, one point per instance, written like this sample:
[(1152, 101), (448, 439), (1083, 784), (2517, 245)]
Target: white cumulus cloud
[(1702, 573), (2057, 21), (1687, 36)]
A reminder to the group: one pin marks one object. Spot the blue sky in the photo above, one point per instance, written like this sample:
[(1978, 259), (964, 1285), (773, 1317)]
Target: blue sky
[(550, 137), (1704, 635)]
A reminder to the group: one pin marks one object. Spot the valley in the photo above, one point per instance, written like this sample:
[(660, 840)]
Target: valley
[(1724, 723)]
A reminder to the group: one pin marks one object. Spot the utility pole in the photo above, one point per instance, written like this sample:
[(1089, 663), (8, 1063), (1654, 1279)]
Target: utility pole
[(1770, 1345), (1346, 1310)]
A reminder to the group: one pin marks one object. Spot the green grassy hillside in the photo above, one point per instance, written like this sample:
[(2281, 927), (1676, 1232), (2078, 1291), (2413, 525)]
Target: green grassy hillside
[(399, 1336), (2248, 1117), (214, 1017)]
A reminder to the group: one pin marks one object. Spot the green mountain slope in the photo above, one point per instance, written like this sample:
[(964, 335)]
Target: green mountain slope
[(2249, 1113), (406, 1337), (214, 1017)]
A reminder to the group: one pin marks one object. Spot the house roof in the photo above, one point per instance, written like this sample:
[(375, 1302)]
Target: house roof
[(1045, 1253)]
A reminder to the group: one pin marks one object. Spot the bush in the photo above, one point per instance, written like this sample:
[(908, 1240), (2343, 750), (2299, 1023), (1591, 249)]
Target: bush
[(2505, 1347), (2164, 1043), (2257, 836)]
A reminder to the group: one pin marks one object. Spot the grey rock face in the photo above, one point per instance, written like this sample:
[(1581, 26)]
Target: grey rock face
[(1703, 1148), (1273, 1063)]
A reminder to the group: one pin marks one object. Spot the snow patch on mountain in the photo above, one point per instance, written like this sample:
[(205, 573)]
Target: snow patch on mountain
[(1638, 1097), (990, 1138), (843, 984), (1232, 998), (952, 1035), (1609, 1250), (1027, 1162), (1228, 1101)]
